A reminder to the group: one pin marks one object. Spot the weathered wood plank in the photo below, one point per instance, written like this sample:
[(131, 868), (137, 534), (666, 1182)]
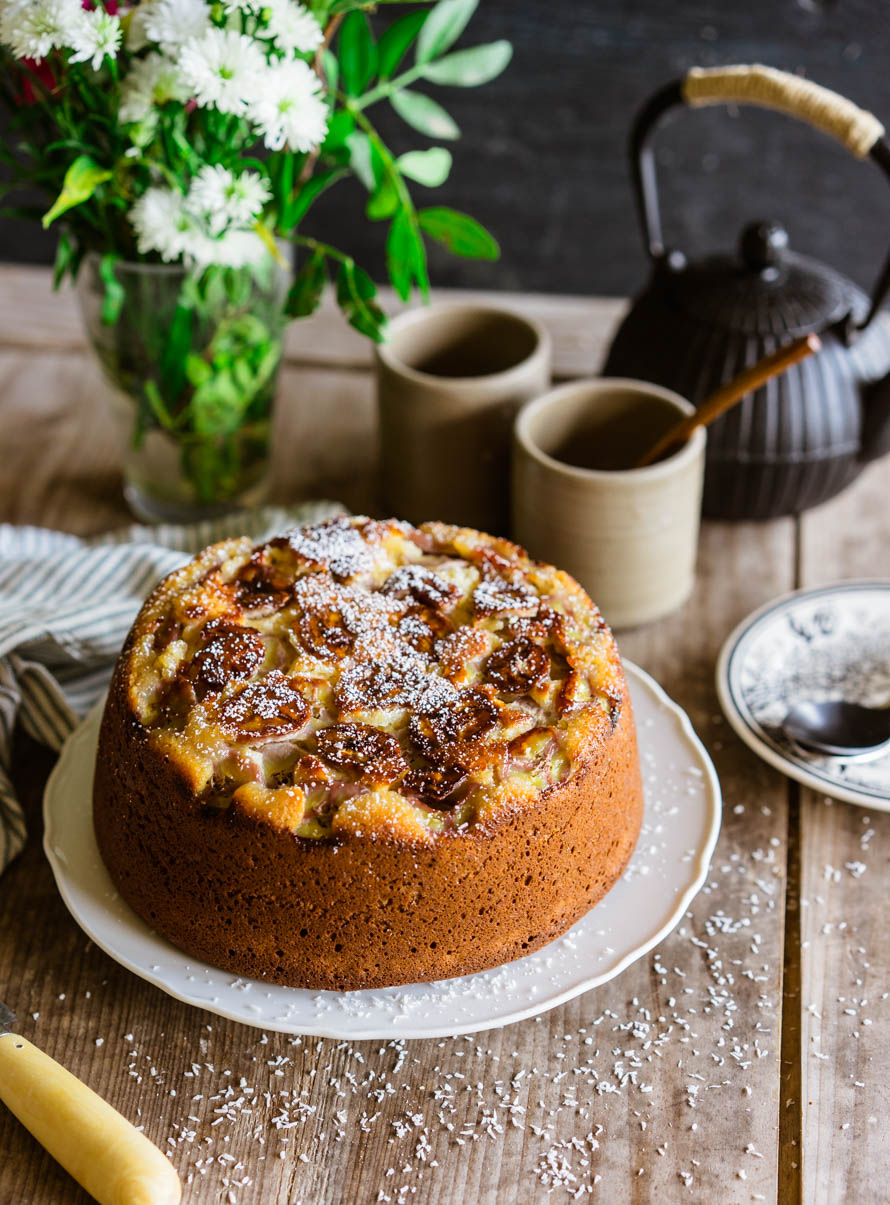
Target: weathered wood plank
[(671, 1069), (32, 316), (728, 987), (661, 1083), (60, 463), (845, 855)]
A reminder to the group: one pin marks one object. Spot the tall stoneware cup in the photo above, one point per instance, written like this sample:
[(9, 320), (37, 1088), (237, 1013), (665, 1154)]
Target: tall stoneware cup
[(628, 535), (450, 380)]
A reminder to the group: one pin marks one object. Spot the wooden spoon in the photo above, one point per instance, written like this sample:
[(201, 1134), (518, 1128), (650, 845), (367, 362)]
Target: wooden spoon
[(733, 391)]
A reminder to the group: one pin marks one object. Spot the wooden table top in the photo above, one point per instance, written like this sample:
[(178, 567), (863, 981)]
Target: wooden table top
[(746, 1059)]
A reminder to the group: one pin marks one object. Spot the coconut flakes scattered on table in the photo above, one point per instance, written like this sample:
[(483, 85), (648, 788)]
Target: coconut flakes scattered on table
[(567, 1095), (586, 1078)]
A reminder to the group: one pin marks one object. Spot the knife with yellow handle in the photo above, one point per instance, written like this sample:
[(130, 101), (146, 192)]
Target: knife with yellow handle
[(96, 1145)]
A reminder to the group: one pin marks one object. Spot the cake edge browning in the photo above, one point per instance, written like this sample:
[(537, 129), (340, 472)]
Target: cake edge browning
[(359, 912)]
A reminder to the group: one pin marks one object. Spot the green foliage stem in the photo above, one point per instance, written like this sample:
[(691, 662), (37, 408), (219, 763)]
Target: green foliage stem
[(211, 360)]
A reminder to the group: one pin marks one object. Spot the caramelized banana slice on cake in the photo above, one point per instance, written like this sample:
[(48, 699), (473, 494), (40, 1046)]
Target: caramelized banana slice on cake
[(518, 666), (228, 653), (261, 711), (374, 755), (441, 732)]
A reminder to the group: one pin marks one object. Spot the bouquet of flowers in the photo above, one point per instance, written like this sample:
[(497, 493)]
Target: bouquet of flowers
[(181, 144)]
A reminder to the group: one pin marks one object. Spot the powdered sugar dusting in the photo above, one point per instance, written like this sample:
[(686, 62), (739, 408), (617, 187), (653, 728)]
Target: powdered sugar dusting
[(376, 623), (336, 544), (679, 826)]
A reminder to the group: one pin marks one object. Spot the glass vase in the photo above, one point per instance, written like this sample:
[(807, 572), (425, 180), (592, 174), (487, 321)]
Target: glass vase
[(191, 357)]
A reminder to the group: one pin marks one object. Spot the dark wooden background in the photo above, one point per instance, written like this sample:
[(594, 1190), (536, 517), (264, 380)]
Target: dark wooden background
[(543, 159)]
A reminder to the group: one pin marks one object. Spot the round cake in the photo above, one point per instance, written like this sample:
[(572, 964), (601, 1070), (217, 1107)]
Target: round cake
[(364, 754)]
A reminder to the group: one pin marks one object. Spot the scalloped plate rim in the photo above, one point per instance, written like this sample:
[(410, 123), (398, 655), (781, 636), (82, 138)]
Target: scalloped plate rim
[(711, 814)]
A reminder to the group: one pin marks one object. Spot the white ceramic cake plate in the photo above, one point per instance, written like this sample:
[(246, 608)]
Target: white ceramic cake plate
[(828, 643), (680, 826)]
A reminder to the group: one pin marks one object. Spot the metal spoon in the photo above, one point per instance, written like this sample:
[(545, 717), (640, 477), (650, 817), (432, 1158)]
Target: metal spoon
[(836, 728)]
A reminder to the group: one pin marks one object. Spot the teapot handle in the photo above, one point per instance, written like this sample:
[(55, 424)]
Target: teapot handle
[(856, 129)]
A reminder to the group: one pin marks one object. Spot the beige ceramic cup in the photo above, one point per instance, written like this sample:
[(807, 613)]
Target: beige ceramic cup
[(628, 535), (450, 380)]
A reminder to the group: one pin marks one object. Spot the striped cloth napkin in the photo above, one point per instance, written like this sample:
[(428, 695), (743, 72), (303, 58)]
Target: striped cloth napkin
[(66, 605)]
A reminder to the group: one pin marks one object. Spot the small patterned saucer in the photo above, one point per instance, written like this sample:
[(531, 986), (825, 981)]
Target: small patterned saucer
[(830, 643)]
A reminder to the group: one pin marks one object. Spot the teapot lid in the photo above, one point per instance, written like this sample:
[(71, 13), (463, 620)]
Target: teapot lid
[(766, 289)]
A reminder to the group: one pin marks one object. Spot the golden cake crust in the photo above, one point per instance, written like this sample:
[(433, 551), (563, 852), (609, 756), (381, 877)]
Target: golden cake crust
[(434, 846)]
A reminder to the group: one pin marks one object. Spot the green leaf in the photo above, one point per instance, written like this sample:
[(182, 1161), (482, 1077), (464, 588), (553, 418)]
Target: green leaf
[(197, 370), (421, 274), (113, 300), (284, 180), (267, 237), (406, 255), (395, 41), (268, 363), (204, 466), (467, 68), (356, 295), (314, 187), (399, 254), (65, 255), (331, 69), (340, 127), (177, 345), (335, 7), (159, 410), (307, 290), (460, 233), (358, 54), (384, 202), (82, 179), (217, 405), (429, 167), (359, 145), (443, 27), (424, 114)]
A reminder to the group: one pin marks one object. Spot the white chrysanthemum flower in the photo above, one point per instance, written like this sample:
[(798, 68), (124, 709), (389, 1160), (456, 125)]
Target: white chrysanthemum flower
[(97, 34), (135, 38), (163, 224), (172, 23), (166, 223), (33, 28), (237, 249), (150, 82), (294, 28), (225, 199), (290, 109), (222, 69)]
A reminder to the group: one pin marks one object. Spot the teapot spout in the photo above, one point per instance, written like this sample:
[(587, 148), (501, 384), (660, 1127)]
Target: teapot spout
[(876, 420)]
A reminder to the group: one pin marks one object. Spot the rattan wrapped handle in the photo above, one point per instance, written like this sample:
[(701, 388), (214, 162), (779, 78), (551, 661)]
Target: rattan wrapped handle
[(857, 129)]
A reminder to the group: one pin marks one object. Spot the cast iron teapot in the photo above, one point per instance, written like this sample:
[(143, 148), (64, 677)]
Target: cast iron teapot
[(805, 435)]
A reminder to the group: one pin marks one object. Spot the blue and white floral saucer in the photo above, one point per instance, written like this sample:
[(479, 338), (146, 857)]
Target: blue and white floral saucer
[(829, 643)]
